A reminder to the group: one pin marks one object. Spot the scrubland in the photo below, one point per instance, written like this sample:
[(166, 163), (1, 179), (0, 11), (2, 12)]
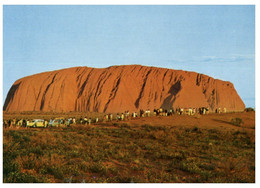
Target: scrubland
[(176, 149)]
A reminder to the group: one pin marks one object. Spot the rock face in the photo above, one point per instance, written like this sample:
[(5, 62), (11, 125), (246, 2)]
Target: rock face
[(120, 88)]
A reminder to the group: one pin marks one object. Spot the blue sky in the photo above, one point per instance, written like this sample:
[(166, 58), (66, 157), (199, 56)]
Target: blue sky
[(215, 40)]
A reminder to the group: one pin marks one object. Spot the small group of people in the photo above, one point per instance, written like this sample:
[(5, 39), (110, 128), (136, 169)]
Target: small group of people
[(163, 112), (119, 116), (108, 117), (186, 111), (219, 110), (14, 123), (87, 120), (192, 111)]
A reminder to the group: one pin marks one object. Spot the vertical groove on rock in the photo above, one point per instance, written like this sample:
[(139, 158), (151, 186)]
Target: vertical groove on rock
[(142, 90), (85, 82), (44, 93), (113, 93)]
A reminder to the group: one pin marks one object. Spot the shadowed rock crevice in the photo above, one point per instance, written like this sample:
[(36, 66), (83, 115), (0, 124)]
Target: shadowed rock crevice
[(84, 84), (198, 80), (112, 94), (142, 90), (46, 90), (173, 91)]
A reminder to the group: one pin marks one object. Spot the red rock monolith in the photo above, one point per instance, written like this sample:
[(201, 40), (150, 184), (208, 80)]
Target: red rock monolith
[(120, 88)]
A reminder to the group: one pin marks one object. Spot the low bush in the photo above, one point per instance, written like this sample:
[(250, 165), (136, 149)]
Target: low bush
[(98, 168), (249, 109), (18, 177), (236, 121), (56, 172)]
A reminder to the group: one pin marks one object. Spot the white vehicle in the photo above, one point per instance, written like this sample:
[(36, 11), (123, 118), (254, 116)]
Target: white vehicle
[(36, 123)]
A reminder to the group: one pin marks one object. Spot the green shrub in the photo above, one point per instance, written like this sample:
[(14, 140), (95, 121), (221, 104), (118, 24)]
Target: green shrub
[(196, 130), (213, 131), (18, 177), (98, 168), (26, 139), (125, 125), (249, 109), (56, 172), (16, 135), (124, 179), (207, 166), (9, 167), (189, 167), (236, 121), (147, 127), (37, 151)]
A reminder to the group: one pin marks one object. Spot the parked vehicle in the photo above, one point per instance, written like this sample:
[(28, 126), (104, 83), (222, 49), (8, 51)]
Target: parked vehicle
[(36, 123), (30, 123), (56, 122)]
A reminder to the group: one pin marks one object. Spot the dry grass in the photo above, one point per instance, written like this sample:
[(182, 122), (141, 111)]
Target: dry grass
[(128, 152)]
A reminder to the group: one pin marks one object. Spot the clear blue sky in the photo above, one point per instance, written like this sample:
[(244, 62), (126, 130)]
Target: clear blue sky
[(215, 40)]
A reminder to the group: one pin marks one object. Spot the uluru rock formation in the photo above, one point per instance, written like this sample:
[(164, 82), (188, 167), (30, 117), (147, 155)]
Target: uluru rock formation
[(120, 88)]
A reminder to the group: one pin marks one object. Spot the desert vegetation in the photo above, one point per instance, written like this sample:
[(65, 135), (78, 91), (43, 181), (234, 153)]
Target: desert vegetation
[(139, 152)]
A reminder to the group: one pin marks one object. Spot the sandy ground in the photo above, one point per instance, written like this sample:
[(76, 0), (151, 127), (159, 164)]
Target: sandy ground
[(214, 121)]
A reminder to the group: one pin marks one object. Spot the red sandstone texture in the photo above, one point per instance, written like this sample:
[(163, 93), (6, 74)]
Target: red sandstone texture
[(120, 88)]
